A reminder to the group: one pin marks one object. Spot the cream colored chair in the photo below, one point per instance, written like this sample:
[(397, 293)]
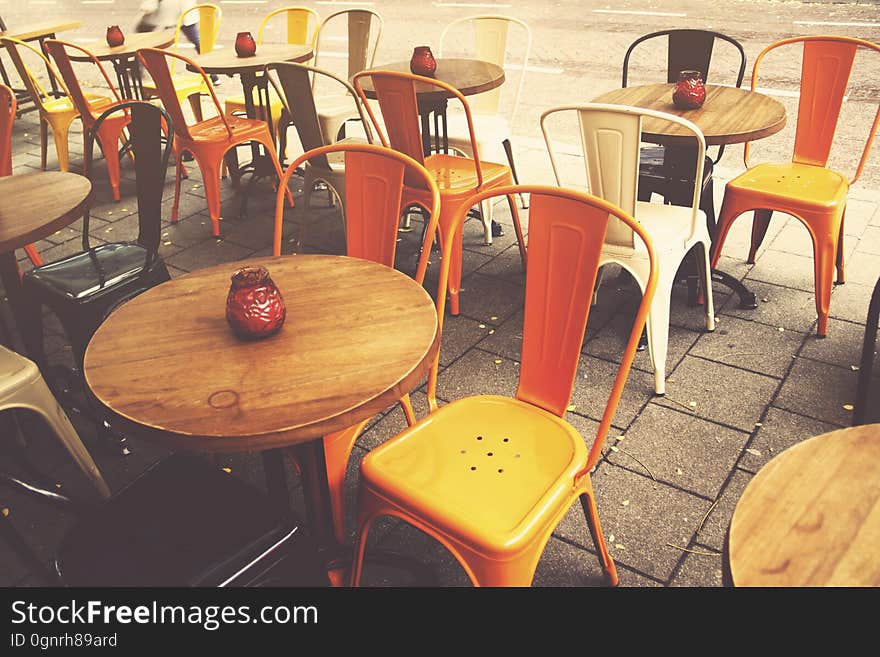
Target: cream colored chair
[(610, 137), (22, 386), (190, 86), (294, 87), (486, 37), (361, 30)]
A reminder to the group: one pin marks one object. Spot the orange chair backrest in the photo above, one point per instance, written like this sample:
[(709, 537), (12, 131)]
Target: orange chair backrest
[(825, 72), (566, 235), (58, 51), (8, 107), (374, 184), (156, 62), (396, 93)]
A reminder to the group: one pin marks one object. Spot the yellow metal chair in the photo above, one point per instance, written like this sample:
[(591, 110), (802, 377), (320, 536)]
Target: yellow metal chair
[(302, 29), (190, 86), (491, 477), (56, 113)]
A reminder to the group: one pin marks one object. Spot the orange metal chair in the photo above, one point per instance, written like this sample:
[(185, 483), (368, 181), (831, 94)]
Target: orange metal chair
[(457, 177), (110, 132), (207, 140), (8, 107), (805, 188), (374, 184), (490, 477)]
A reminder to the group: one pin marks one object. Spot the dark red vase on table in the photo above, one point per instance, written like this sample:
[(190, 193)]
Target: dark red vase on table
[(689, 92), (254, 306), (115, 37), (423, 62), (245, 46)]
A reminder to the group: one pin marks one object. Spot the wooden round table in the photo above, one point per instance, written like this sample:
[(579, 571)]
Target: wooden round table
[(469, 76), (32, 207), (358, 336), (811, 516), (124, 57), (728, 116)]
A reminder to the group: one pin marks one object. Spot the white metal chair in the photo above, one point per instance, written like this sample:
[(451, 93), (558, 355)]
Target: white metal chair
[(363, 29), (610, 136), (22, 386), (486, 37)]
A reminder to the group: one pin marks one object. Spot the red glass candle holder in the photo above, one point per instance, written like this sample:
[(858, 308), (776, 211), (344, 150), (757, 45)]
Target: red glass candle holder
[(689, 92), (115, 37), (245, 46), (423, 62), (254, 306)]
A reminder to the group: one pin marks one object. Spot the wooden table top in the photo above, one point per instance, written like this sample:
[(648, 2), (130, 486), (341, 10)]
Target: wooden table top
[(728, 116), (225, 61), (357, 337), (134, 41), (811, 516), (31, 31), (35, 205), (469, 76)]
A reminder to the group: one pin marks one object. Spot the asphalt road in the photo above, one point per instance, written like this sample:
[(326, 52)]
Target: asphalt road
[(578, 46)]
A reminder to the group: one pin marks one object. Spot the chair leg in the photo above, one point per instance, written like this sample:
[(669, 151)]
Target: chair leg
[(178, 175), (39, 398), (824, 253), (841, 277), (517, 226), (44, 143), (706, 283), (109, 143), (337, 451), (61, 137), (588, 503), (658, 329), (408, 411), (508, 150), (759, 229)]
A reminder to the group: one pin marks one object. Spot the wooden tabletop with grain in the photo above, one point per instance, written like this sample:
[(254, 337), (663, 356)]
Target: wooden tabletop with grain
[(729, 115), (134, 41), (35, 205), (31, 31), (811, 516), (357, 337)]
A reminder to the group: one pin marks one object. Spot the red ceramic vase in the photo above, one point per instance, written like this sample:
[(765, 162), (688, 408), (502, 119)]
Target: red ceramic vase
[(115, 37), (423, 62), (254, 307), (689, 92), (245, 46)]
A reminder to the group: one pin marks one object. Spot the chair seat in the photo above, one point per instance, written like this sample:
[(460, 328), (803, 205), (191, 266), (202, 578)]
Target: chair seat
[(185, 84), (184, 523), (490, 470), (797, 186), (459, 174), (214, 129), (64, 103), (16, 371), (237, 104), (78, 276)]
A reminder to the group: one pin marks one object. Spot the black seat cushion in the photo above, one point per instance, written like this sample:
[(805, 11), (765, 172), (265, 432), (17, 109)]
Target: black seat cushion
[(185, 522), (87, 273)]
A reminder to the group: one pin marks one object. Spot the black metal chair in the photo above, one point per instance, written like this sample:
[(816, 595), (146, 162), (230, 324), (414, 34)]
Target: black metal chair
[(183, 522), (865, 412), (82, 288), (667, 171)]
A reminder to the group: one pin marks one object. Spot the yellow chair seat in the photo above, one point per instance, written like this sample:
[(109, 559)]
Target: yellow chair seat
[(459, 174), (236, 104), (798, 186), (495, 487), (185, 85), (64, 104)]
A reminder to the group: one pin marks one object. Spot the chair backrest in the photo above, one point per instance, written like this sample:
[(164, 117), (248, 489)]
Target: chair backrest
[(301, 27), (363, 30), (37, 93), (294, 88), (58, 50), (687, 49), (396, 93), (156, 62), (209, 27), (8, 107), (150, 165), (610, 137), (566, 233), (487, 37), (827, 63), (374, 185)]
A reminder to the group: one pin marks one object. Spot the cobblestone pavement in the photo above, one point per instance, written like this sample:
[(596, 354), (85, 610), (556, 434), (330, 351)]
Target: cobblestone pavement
[(735, 398)]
